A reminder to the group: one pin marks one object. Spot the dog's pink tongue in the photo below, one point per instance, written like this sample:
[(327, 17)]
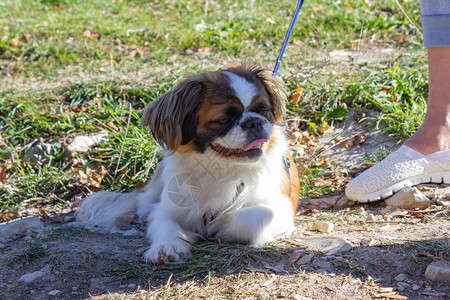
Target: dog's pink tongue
[(254, 143)]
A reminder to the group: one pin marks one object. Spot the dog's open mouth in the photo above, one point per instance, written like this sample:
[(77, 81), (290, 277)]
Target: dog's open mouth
[(252, 150)]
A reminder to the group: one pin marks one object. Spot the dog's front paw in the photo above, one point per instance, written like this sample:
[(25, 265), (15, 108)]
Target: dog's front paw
[(162, 254)]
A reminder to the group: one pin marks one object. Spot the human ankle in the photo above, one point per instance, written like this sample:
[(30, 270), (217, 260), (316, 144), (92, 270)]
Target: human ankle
[(429, 142)]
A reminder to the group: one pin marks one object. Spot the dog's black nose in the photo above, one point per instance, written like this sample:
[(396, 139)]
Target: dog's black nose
[(252, 123)]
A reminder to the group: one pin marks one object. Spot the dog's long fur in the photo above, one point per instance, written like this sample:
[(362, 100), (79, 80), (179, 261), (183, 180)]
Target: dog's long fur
[(196, 192)]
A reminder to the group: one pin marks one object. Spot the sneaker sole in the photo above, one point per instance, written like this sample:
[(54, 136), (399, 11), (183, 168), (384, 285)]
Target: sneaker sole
[(389, 191)]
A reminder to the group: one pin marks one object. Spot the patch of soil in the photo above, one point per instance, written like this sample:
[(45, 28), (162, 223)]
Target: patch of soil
[(387, 260)]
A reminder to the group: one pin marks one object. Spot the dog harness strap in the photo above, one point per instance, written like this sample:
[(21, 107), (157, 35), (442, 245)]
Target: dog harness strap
[(287, 163)]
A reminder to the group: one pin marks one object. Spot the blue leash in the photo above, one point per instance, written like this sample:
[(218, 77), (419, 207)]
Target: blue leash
[(288, 35)]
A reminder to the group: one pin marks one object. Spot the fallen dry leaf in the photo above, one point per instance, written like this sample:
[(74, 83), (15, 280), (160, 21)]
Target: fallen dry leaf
[(92, 177), (320, 163), (269, 20), (294, 257), (7, 215), (294, 97), (5, 166), (80, 108), (91, 34), (391, 295), (353, 141), (309, 211), (204, 49)]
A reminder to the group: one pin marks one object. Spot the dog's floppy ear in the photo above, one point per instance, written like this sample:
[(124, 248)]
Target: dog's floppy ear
[(172, 117), (275, 88)]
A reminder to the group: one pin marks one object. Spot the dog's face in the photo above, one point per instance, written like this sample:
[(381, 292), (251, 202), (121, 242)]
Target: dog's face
[(229, 111)]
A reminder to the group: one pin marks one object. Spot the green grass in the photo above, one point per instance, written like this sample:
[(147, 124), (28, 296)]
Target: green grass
[(208, 258), (34, 250), (44, 37), (83, 67)]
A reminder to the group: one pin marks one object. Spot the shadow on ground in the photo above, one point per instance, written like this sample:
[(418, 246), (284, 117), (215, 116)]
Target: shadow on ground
[(75, 263)]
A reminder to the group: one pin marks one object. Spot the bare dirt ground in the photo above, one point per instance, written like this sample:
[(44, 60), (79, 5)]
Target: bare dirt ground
[(387, 261)]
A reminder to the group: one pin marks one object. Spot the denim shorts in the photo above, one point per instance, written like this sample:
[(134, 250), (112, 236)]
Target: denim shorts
[(435, 22)]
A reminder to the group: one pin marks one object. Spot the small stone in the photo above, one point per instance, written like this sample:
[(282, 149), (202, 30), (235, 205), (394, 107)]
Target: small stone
[(299, 297), (342, 202), (361, 211), (368, 242), (409, 198), (438, 271), (131, 286), (305, 259), (388, 210), (443, 202), (54, 292), (21, 227), (447, 196), (85, 143), (329, 245), (352, 286), (371, 217), (129, 216), (401, 277), (122, 223), (403, 284), (31, 276), (389, 228), (39, 154), (322, 226), (415, 287), (400, 287)]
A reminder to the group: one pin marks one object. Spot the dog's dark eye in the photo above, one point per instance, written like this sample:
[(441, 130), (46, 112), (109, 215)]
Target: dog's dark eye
[(225, 121), (265, 113)]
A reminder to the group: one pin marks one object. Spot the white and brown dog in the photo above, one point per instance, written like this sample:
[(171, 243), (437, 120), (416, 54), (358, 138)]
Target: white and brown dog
[(227, 173)]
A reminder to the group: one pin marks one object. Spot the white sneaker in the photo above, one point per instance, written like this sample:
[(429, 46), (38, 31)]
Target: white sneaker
[(404, 167)]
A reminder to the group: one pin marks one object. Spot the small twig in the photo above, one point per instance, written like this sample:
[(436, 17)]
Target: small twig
[(10, 151), (66, 165), (151, 163), (167, 287), (206, 9), (391, 295), (428, 210), (134, 31), (33, 199), (293, 242), (29, 145), (407, 17), (360, 35), (22, 130), (386, 222)]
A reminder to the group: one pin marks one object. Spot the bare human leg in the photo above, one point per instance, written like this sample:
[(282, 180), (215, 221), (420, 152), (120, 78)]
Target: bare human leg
[(434, 133)]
